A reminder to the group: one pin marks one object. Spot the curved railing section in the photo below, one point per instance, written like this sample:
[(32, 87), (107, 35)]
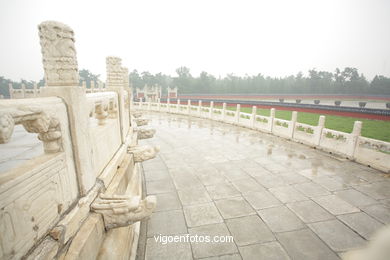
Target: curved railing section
[(353, 146)]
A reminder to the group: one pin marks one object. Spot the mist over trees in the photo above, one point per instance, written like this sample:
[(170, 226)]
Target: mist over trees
[(346, 81)]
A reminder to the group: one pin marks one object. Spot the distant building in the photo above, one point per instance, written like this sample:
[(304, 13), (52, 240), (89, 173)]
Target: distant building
[(149, 93), (172, 92)]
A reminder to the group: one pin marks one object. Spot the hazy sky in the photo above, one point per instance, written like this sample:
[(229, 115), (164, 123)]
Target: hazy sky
[(275, 38)]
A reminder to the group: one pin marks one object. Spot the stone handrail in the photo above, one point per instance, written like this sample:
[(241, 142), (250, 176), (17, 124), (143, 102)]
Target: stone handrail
[(59, 204), (36, 117), (102, 105), (367, 151)]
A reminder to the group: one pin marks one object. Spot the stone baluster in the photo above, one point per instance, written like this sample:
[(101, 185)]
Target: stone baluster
[(168, 105), (223, 111), (62, 80), (356, 132), (11, 91), (200, 108), (114, 82), (178, 106), (253, 117), (292, 124), (211, 112), (318, 132), (23, 90), (101, 113), (272, 119), (35, 90), (126, 86), (189, 106), (238, 111), (92, 86)]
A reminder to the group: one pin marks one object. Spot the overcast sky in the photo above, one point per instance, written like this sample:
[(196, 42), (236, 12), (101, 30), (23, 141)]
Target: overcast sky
[(275, 38)]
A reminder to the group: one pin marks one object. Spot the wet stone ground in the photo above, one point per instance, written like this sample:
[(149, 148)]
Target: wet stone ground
[(278, 199)]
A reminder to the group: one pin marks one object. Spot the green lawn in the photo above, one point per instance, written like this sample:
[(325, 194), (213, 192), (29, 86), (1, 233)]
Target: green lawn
[(375, 129)]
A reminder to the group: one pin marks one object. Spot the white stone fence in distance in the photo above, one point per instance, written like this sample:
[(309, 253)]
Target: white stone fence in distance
[(367, 151)]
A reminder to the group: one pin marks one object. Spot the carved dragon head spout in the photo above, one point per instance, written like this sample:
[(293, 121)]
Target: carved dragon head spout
[(122, 210), (145, 133), (58, 54), (143, 152)]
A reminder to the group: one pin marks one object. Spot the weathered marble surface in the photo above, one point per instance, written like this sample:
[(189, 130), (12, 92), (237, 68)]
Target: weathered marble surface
[(277, 198)]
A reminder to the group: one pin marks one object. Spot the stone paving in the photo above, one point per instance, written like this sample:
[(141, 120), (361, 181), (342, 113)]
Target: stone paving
[(278, 199)]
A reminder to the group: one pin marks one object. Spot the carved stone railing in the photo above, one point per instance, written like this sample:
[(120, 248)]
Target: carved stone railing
[(58, 204), (34, 120), (102, 106), (349, 145), (36, 192), (23, 92)]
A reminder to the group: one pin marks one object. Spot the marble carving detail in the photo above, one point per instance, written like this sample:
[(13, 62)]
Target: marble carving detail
[(137, 114), (145, 133), (58, 54), (143, 153), (34, 121), (141, 122), (122, 210), (114, 72)]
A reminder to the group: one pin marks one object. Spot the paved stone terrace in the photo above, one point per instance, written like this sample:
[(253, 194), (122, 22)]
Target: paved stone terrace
[(278, 199)]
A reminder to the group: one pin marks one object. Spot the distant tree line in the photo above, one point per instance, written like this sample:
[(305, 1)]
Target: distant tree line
[(347, 81)]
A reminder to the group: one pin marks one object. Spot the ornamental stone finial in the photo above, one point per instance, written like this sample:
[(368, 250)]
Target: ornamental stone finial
[(114, 72), (58, 54), (125, 72)]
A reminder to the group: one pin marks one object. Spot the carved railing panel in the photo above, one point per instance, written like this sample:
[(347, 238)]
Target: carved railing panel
[(35, 193)]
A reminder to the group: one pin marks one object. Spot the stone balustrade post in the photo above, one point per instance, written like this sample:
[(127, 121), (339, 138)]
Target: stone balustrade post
[(149, 104), (292, 124), (189, 106), (319, 128), (237, 117), (223, 111), (200, 108), (356, 132), (35, 90), (92, 86), (211, 112), (23, 90), (62, 80), (115, 82), (168, 105), (128, 97), (253, 117), (272, 118), (84, 85), (178, 106), (11, 91), (158, 104)]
